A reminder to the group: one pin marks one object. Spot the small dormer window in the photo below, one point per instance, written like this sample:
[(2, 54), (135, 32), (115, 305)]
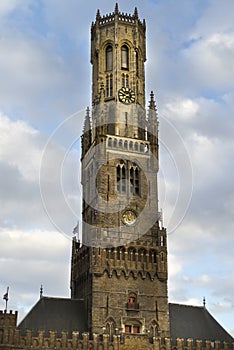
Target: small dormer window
[(124, 57)]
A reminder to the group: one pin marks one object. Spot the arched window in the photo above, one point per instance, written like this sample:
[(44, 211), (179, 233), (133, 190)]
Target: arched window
[(110, 142), (134, 180), (120, 178), (127, 176), (132, 303), (124, 57), (109, 57), (152, 256)]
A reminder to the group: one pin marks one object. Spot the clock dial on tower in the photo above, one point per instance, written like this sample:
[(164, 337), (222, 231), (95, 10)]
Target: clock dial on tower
[(126, 95), (129, 217)]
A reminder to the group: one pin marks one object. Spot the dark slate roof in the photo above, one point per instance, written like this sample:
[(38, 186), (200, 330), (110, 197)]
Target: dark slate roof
[(195, 322), (55, 314)]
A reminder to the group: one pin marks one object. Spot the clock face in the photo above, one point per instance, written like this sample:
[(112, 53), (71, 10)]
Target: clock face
[(129, 217), (126, 95)]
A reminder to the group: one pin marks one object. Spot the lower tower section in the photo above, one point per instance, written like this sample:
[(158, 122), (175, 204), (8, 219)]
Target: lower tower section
[(125, 287)]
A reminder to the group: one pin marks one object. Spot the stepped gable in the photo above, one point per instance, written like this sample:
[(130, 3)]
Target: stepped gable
[(196, 322), (55, 314)]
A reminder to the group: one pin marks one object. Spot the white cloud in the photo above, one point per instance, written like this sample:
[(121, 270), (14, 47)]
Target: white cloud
[(184, 109), (210, 59), (7, 6), (30, 259), (21, 162), (20, 146)]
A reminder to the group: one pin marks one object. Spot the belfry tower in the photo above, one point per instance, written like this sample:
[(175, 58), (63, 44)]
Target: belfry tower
[(120, 269)]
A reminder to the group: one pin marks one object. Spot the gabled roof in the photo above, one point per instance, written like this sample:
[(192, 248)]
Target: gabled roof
[(64, 314), (195, 322), (55, 314)]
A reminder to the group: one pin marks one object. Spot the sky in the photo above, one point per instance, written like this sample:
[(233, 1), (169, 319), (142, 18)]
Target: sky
[(44, 91)]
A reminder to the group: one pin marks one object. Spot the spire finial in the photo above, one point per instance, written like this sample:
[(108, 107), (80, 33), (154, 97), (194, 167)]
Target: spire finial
[(135, 13), (41, 291), (116, 8), (98, 16), (152, 104), (204, 302), (87, 121)]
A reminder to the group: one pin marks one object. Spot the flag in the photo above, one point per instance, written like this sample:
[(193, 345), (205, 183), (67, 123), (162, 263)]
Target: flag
[(76, 229), (5, 296)]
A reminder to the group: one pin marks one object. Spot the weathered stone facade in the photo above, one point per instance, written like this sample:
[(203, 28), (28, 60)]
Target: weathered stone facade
[(121, 268)]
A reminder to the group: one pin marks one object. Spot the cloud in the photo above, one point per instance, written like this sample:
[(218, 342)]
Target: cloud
[(33, 253), (7, 6), (21, 162), (210, 62)]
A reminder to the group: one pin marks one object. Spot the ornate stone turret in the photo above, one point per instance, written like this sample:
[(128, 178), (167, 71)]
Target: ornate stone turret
[(86, 137), (153, 125)]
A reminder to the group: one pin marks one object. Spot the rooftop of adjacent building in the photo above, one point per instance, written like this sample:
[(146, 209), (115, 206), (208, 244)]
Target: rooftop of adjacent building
[(64, 314)]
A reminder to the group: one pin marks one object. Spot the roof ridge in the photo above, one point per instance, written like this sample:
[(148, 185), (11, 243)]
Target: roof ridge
[(187, 305)]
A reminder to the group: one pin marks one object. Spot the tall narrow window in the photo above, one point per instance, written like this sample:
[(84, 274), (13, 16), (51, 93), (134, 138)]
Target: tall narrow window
[(109, 57), (118, 177), (137, 64), (136, 184), (109, 85), (123, 179), (125, 80), (134, 180), (124, 57)]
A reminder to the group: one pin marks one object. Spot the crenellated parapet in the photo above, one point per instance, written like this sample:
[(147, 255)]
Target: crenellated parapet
[(119, 16), (15, 340), (8, 319)]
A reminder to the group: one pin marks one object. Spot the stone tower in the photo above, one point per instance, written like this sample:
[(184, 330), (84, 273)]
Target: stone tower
[(120, 269)]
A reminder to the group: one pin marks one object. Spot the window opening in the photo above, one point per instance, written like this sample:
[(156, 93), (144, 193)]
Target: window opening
[(137, 64), (124, 57), (109, 57), (109, 85), (128, 329)]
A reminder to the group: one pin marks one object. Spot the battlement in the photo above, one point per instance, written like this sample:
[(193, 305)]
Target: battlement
[(119, 16), (8, 319), (13, 339)]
